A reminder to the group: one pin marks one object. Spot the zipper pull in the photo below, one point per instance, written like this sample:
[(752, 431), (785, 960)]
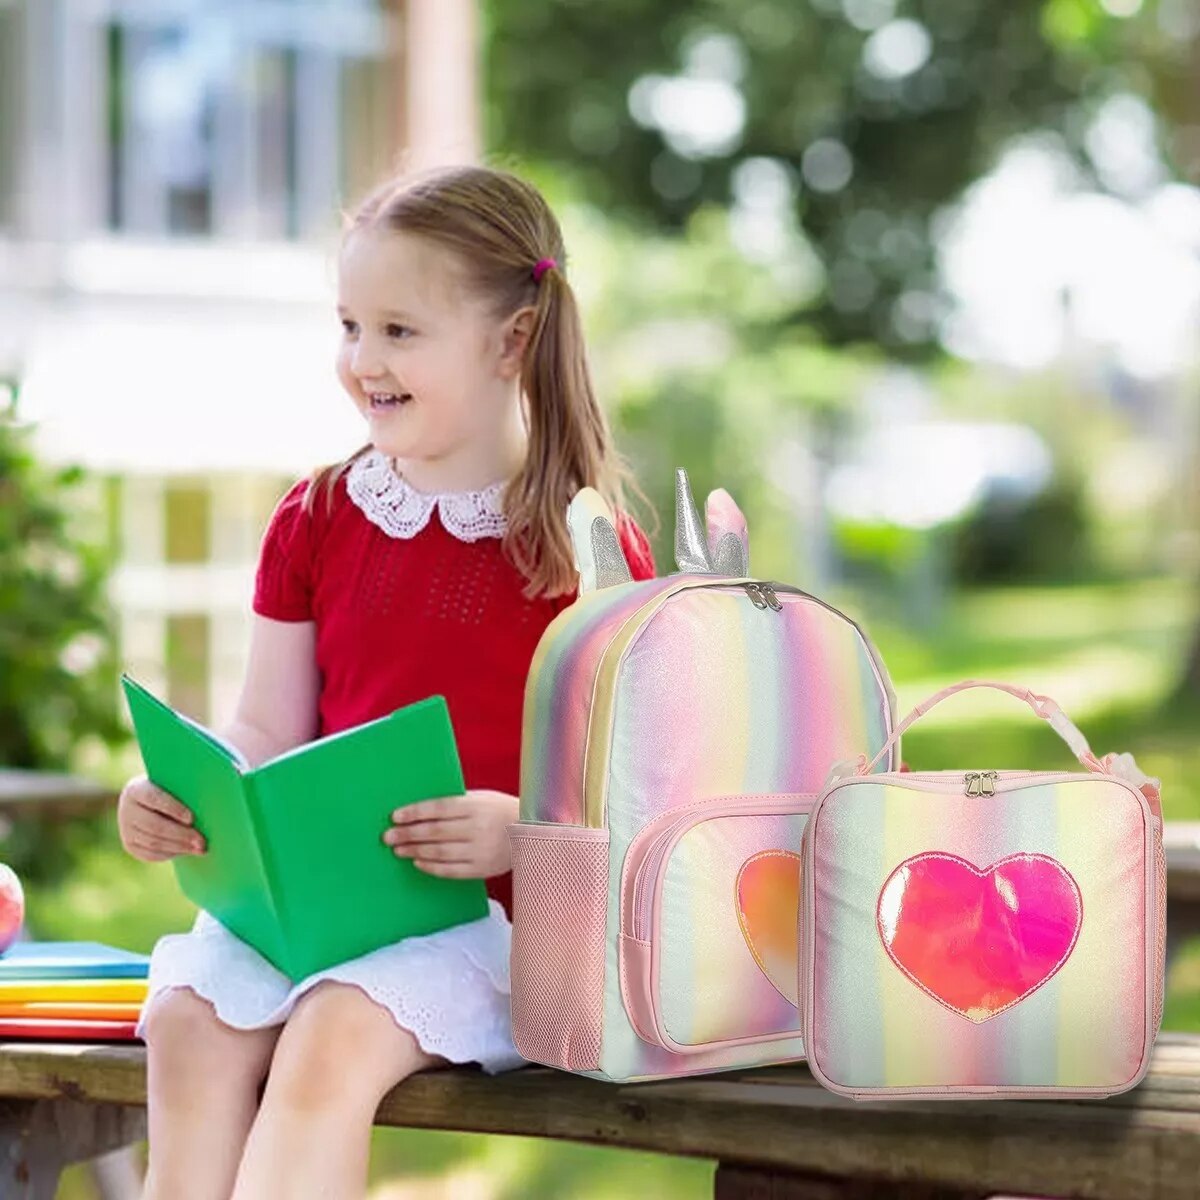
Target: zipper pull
[(981, 783), (763, 595), (754, 591)]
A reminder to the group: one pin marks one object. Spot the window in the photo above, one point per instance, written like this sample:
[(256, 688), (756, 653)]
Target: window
[(188, 652), (229, 120), (188, 522)]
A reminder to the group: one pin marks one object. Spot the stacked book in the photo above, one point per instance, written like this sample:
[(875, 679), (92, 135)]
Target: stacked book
[(71, 990)]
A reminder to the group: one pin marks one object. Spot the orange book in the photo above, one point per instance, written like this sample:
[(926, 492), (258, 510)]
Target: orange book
[(80, 1010)]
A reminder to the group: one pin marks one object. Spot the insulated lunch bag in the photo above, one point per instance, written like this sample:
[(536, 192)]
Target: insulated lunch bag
[(676, 732), (984, 933)]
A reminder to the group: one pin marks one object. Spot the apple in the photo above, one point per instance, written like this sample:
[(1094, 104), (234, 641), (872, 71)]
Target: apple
[(12, 906)]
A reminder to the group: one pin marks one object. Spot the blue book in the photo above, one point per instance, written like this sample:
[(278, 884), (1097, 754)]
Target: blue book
[(71, 960)]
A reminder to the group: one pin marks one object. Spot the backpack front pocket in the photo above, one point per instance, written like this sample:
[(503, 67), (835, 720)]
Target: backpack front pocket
[(710, 896)]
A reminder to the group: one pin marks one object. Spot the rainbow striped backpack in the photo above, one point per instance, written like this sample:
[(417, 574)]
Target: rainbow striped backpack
[(677, 732)]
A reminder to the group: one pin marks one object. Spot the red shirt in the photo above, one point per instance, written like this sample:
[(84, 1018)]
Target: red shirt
[(399, 619)]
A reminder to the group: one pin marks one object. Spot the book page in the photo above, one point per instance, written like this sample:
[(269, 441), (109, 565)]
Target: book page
[(149, 712), (308, 747), (239, 759)]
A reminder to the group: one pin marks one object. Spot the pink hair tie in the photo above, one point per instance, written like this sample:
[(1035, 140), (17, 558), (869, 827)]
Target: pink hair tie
[(542, 267)]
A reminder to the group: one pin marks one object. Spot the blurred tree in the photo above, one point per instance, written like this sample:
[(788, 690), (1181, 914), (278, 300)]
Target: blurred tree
[(706, 377), (58, 665), (880, 112), (1044, 537), (875, 114)]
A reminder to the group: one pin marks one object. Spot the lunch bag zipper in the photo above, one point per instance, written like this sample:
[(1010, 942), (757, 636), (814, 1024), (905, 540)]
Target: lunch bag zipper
[(970, 783)]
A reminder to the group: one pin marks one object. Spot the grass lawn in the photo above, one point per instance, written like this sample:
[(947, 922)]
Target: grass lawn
[(1109, 653)]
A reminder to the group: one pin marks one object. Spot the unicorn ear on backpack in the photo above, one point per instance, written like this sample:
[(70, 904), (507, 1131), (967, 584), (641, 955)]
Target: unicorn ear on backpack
[(722, 547), (598, 555)]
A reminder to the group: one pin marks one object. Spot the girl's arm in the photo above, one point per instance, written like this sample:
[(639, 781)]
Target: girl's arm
[(278, 705)]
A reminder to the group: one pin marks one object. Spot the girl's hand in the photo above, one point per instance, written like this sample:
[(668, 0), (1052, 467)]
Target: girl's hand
[(153, 824), (463, 837)]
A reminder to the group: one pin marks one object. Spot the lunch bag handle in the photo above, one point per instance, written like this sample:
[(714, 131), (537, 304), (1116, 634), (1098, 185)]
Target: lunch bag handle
[(1043, 706)]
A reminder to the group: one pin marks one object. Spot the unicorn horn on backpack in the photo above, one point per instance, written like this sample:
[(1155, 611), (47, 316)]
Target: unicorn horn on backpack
[(722, 545)]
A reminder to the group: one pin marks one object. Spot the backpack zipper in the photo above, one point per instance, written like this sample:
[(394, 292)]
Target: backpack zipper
[(762, 595)]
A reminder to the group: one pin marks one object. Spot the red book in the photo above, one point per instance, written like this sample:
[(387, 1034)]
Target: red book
[(49, 1029)]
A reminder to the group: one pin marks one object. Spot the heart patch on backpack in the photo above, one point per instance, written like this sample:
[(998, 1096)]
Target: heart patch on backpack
[(768, 906), (979, 940)]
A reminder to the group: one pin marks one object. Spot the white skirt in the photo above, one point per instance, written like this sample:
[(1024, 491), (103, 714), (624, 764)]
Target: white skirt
[(450, 989)]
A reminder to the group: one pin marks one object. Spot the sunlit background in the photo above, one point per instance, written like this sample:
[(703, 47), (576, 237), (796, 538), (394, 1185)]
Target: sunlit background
[(919, 283)]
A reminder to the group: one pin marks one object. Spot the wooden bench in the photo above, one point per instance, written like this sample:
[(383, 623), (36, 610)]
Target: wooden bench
[(775, 1132), (50, 795)]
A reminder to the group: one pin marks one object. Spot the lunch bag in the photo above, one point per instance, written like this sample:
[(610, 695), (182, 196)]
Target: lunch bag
[(984, 933), (676, 732)]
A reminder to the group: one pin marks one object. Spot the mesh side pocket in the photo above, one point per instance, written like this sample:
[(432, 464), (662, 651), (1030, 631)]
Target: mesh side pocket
[(1160, 868), (560, 905)]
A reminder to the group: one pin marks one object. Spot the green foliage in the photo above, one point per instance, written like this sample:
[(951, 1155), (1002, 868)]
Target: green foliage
[(99, 893), (691, 356), (1044, 538), (518, 1168), (559, 76), (58, 662), (1107, 652), (902, 568)]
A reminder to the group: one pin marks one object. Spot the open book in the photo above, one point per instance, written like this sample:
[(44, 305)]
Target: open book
[(295, 864)]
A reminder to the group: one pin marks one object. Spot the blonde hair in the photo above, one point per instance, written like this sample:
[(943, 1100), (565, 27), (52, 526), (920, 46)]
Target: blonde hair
[(498, 226)]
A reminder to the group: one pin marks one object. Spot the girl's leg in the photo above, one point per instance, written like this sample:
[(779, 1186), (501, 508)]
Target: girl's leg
[(202, 1081), (339, 1054)]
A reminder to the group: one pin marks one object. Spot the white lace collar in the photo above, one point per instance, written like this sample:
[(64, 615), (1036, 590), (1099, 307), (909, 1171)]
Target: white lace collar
[(388, 500)]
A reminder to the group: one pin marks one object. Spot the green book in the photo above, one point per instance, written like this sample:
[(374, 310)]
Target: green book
[(295, 864)]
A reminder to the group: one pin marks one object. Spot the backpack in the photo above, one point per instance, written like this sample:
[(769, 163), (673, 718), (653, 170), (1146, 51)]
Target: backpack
[(676, 734)]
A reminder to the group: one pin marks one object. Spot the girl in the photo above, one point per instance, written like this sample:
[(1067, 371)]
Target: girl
[(431, 560)]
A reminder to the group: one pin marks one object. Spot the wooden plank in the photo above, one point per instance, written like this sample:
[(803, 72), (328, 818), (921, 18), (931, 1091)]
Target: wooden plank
[(40, 1137), (90, 1071), (1141, 1145), (747, 1183), (26, 793)]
